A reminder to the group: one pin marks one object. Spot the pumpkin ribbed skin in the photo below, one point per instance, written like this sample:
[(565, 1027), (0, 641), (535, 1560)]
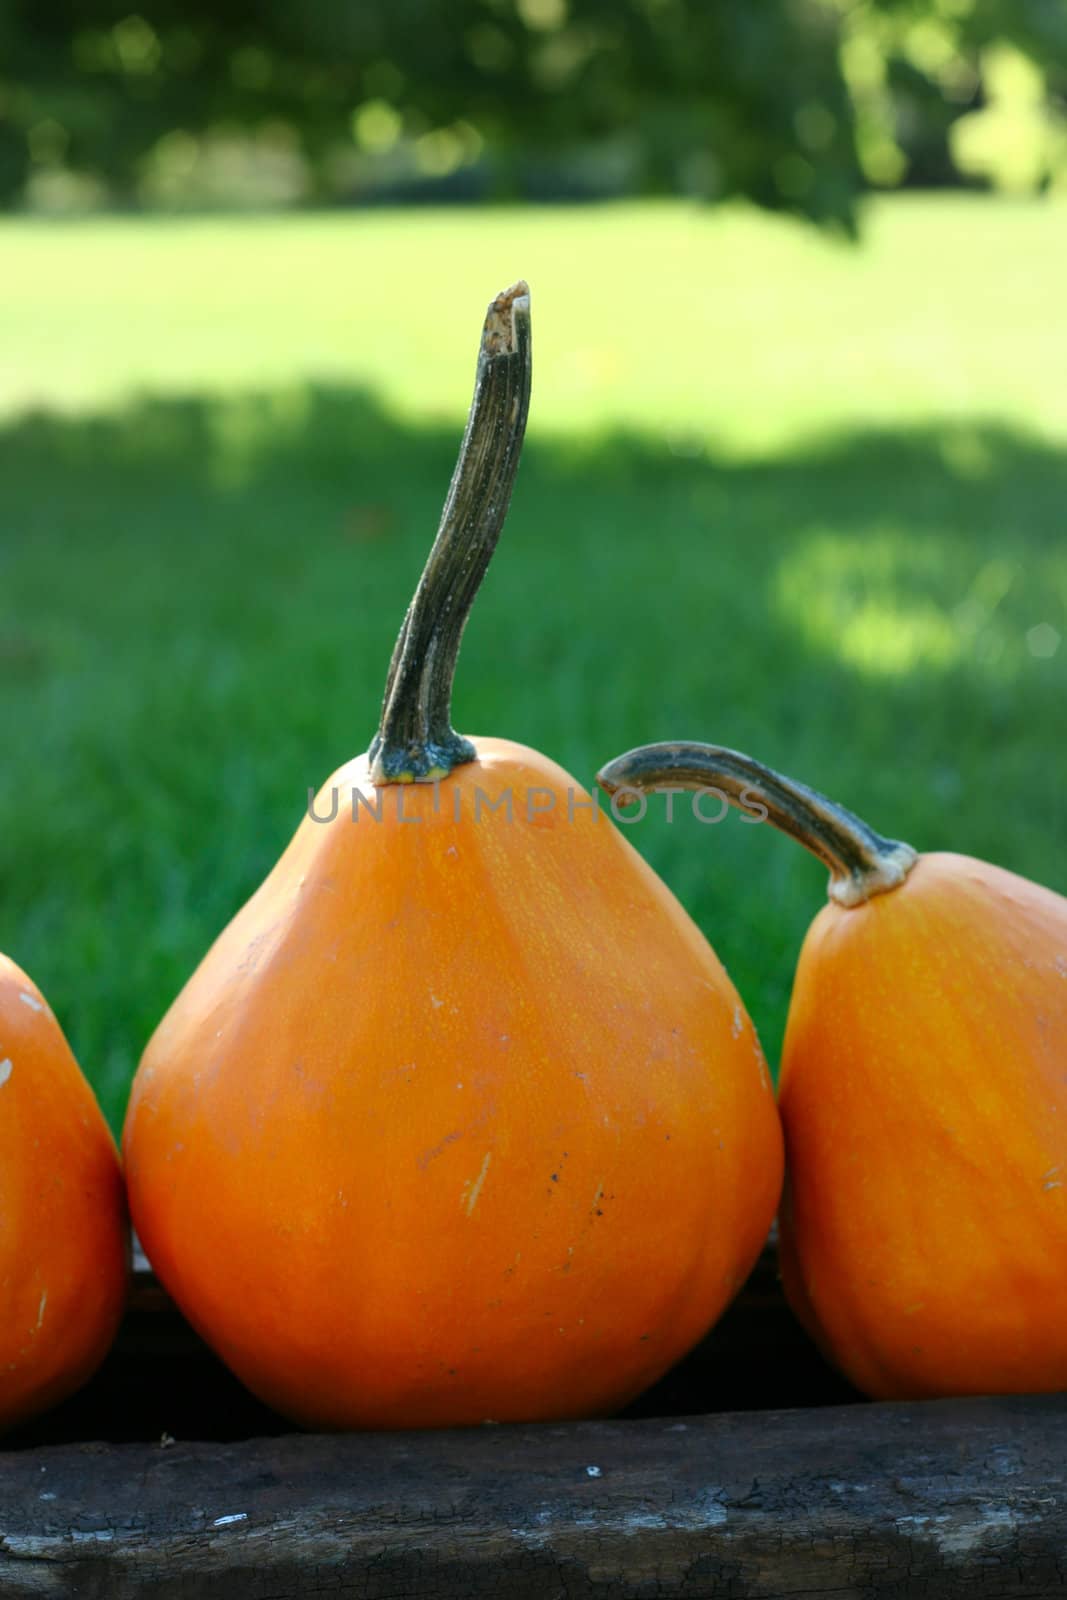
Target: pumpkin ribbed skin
[(457, 1120), (924, 1096), (63, 1238)]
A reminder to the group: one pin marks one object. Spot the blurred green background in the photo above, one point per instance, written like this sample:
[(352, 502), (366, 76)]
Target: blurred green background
[(795, 476)]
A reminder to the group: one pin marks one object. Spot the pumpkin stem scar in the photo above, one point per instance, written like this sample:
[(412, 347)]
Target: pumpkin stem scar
[(862, 863), (416, 742)]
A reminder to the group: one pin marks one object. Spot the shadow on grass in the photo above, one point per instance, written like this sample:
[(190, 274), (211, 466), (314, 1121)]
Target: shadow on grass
[(198, 599)]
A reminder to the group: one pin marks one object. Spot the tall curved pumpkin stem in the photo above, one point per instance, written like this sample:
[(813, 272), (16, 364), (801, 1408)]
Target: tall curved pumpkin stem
[(416, 742), (862, 863)]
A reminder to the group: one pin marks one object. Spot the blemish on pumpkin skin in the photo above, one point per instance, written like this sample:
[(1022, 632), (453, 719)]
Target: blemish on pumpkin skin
[(31, 1000), (471, 1191), (738, 1023), (1051, 1180), (6, 1069), (41, 1311)]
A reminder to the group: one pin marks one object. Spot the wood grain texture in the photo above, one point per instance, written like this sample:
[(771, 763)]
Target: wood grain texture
[(953, 1498)]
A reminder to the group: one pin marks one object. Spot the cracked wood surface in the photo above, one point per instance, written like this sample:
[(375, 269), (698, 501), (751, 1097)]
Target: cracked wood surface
[(950, 1498)]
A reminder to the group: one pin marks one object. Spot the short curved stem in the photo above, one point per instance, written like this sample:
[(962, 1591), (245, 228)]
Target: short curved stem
[(416, 742), (862, 863)]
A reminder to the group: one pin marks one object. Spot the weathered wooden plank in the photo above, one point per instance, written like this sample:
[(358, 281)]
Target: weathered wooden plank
[(952, 1498)]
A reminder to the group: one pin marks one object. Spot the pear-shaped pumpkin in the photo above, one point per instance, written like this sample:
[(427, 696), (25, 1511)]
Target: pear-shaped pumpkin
[(460, 1118), (63, 1237), (923, 1093)]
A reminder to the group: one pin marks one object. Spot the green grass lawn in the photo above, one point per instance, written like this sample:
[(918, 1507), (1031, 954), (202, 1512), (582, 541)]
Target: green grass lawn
[(779, 492)]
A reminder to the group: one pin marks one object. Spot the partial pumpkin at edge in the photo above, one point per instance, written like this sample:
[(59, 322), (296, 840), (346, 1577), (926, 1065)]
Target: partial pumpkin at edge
[(923, 1093)]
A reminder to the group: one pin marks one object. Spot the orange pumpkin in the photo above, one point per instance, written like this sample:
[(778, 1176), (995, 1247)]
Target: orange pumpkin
[(63, 1243), (923, 1093), (460, 1118)]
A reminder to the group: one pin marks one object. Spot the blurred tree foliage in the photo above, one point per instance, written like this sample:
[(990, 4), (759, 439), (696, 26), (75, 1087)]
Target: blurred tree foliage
[(793, 103)]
